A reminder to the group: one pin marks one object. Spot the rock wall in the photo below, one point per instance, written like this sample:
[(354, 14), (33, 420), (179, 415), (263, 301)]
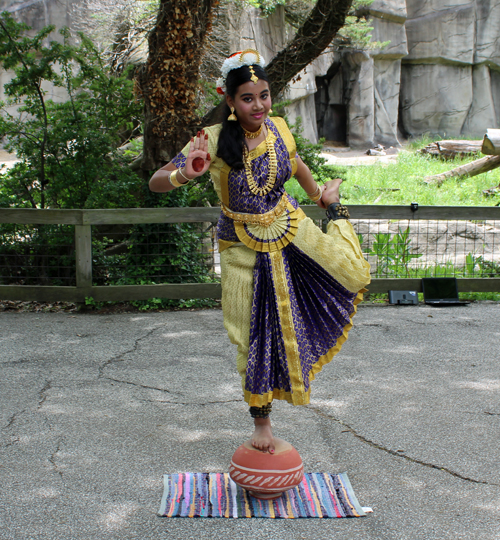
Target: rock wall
[(358, 98), (440, 75), (449, 82), (37, 14), (40, 13)]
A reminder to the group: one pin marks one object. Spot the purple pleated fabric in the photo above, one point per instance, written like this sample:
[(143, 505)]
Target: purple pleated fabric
[(320, 306)]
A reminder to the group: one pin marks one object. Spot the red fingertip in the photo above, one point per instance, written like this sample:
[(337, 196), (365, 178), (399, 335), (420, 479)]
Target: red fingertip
[(208, 157), (198, 134), (206, 136)]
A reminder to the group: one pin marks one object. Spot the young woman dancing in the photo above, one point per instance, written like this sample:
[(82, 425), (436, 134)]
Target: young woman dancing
[(289, 291)]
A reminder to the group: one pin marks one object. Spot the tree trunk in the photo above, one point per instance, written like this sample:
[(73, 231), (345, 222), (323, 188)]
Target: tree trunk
[(168, 81), (471, 169), (452, 149)]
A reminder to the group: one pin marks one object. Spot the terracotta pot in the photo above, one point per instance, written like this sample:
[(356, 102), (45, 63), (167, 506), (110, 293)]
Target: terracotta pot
[(264, 475)]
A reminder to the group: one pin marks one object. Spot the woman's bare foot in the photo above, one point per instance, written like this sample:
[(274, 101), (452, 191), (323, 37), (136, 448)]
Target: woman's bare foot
[(262, 437), (331, 192)]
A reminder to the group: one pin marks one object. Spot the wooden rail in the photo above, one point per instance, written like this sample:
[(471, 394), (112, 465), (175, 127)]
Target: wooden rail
[(84, 219)]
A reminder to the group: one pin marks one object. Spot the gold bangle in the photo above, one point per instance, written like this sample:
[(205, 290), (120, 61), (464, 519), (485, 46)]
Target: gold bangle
[(173, 180), (316, 195), (184, 176)]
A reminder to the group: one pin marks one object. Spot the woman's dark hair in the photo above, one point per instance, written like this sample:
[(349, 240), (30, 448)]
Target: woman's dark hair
[(232, 136)]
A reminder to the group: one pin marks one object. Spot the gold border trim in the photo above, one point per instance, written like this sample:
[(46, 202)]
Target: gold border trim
[(261, 148), (288, 328), (296, 215), (287, 137), (265, 219), (224, 244), (224, 183)]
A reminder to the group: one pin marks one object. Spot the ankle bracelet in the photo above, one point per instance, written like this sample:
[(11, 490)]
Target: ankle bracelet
[(261, 412)]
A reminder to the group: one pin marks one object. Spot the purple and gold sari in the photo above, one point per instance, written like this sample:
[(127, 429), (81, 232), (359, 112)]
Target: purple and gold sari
[(289, 291)]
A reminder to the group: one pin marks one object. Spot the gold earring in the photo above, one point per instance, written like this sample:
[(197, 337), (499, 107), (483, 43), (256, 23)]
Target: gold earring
[(270, 111), (232, 116)]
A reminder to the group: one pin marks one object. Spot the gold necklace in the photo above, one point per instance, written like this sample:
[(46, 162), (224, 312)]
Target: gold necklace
[(253, 134), (271, 175)]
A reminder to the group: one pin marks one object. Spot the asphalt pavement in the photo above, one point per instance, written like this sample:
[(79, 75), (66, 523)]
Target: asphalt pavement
[(94, 409)]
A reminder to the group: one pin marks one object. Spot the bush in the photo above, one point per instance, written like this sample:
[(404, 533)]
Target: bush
[(67, 150)]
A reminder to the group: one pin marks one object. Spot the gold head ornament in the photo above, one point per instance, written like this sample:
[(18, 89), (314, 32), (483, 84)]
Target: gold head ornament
[(254, 77)]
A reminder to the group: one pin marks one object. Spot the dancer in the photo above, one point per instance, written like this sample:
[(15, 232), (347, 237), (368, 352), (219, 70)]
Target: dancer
[(289, 290)]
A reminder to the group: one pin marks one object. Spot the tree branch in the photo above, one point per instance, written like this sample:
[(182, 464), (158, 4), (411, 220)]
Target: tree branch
[(312, 38)]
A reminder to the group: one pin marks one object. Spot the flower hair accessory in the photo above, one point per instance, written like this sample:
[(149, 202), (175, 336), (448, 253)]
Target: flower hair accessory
[(248, 57)]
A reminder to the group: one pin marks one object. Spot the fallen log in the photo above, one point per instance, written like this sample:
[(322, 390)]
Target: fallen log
[(491, 142), (451, 149), (474, 168)]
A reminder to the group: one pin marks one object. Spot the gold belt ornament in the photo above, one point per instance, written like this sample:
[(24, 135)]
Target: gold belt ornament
[(266, 219)]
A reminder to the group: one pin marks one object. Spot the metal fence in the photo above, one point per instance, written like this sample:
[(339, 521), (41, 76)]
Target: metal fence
[(136, 254), (431, 248)]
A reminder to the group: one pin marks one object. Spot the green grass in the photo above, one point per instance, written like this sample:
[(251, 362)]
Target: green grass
[(402, 182)]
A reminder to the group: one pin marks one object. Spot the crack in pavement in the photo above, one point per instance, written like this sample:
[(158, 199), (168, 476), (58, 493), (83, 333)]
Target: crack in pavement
[(12, 442), (42, 394), (117, 357), (52, 459), (13, 418), (164, 390), (477, 413), (399, 454)]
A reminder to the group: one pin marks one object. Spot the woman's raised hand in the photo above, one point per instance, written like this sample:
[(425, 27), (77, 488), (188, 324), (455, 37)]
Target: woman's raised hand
[(198, 160)]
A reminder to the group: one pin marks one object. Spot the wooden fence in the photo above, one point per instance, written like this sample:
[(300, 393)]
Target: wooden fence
[(83, 220)]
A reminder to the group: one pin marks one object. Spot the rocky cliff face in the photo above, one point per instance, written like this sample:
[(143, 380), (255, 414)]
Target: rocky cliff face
[(450, 77), (40, 13), (362, 89), (439, 75)]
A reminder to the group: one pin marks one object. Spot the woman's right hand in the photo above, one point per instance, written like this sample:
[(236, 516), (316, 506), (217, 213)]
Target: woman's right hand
[(198, 159)]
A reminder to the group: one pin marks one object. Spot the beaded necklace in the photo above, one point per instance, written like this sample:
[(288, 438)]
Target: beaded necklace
[(271, 175)]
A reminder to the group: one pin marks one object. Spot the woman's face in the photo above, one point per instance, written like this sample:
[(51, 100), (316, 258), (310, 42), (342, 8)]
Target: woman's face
[(251, 103)]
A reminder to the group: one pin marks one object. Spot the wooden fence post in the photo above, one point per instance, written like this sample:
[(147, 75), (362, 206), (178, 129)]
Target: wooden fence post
[(83, 257)]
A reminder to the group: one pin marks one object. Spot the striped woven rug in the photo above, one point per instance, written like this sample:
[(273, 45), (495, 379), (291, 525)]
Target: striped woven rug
[(319, 495)]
